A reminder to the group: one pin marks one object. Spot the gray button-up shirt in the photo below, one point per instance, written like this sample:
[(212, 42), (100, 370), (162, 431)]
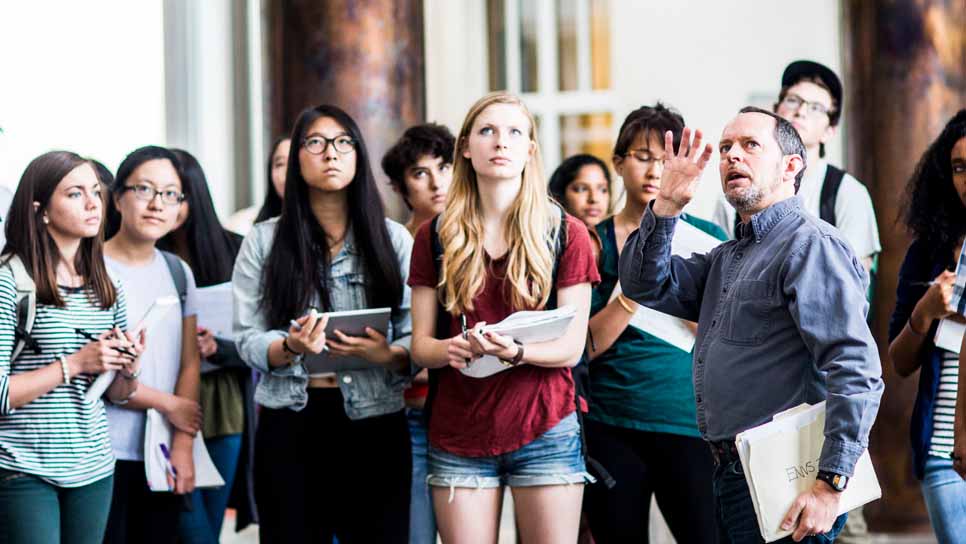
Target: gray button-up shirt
[(781, 321)]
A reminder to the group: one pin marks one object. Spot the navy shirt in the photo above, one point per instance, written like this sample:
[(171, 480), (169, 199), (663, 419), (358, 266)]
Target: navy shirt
[(781, 321)]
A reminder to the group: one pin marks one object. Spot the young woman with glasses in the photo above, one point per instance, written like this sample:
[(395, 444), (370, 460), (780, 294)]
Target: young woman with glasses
[(56, 463), (642, 424), (332, 454), (146, 198)]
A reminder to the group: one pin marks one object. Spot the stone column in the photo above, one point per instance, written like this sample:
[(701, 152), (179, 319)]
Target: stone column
[(905, 72), (365, 56)]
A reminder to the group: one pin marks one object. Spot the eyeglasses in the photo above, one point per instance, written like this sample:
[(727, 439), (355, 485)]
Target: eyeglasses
[(147, 194), (794, 102), (317, 145), (644, 157)]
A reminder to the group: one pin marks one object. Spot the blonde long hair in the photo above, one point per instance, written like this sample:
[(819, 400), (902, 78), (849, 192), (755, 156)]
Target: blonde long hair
[(530, 223)]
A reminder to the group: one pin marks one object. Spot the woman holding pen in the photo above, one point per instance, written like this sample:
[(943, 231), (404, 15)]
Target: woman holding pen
[(936, 215), (517, 427), (332, 453), (227, 406), (146, 197), (56, 464)]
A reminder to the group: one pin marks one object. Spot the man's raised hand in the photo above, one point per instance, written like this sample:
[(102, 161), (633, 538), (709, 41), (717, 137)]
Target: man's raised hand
[(681, 172)]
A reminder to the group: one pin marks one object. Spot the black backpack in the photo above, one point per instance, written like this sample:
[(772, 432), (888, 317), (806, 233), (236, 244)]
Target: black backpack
[(580, 372)]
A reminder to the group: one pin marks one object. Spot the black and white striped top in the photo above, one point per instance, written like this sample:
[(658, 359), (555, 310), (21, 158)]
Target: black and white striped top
[(59, 437), (944, 411)]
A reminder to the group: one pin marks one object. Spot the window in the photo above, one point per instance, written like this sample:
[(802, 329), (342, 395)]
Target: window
[(556, 55)]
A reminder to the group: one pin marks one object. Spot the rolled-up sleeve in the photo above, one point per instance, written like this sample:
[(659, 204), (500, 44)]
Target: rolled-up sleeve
[(826, 285), (252, 333), (652, 277)]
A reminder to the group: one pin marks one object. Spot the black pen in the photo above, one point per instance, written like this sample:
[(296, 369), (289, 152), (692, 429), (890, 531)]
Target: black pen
[(93, 338)]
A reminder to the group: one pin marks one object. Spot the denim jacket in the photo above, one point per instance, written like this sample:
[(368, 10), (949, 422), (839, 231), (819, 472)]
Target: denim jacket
[(367, 393)]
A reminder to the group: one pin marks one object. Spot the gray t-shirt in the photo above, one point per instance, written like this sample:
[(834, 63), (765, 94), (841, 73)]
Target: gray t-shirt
[(161, 360)]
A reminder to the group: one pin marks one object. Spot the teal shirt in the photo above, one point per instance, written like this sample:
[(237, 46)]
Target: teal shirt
[(641, 382)]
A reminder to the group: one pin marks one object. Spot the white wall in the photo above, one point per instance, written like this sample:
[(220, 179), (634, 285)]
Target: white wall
[(83, 76), (707, 58)]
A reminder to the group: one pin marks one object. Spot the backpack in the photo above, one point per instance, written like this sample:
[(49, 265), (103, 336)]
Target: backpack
[(26, 302), (580, 372)]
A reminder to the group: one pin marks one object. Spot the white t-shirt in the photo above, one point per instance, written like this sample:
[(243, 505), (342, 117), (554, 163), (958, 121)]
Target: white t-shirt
[(161, 360), (854, 215)]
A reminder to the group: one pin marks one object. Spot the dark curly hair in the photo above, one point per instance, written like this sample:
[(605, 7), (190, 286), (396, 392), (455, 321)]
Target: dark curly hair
[(418, 141), (565, 174), (934, 211)]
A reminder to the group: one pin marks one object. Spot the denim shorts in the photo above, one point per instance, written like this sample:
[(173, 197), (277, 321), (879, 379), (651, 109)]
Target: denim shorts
[(554, 458)]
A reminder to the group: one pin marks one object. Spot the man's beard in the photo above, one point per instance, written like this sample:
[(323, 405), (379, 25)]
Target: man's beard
[(749, 199)]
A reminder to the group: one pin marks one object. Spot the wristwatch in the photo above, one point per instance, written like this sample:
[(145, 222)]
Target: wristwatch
[(516, 358), (838, 482)]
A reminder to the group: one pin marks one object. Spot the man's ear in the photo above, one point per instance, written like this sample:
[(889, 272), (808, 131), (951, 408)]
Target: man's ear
[(792, 165)]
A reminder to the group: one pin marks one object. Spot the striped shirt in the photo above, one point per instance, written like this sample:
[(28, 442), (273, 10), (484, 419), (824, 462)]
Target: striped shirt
[(58, 437), (944, 412)]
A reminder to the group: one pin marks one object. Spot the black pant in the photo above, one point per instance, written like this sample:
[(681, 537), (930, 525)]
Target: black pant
[(139, 514), (677, 469), (319, 474)]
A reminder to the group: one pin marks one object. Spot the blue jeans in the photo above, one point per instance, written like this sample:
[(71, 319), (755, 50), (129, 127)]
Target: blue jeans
[(945, 494), (422, 519), (33, 511), (202, 525), (554, 458), (737, 522)]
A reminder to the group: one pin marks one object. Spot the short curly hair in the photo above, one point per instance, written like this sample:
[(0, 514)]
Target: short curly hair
[(934, 212), (418, 141)]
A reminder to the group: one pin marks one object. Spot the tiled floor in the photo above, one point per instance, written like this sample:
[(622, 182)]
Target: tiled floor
[(659, 532)]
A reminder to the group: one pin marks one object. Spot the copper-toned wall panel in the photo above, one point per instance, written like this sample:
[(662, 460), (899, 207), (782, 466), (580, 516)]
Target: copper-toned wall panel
[(365, 56), (905, 66)]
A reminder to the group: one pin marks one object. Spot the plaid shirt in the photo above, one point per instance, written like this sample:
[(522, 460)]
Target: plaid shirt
[(959, 301)]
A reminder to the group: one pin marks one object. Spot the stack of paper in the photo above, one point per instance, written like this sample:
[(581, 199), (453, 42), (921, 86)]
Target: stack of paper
[(527, 327), (157, 432), (780, 461), (687, 240)]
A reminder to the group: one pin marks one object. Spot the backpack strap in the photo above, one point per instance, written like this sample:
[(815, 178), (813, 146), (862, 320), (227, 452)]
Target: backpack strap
[(177, 274), (26, 306), (830, 191)]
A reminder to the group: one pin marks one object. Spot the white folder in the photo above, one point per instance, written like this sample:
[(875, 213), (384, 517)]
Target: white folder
[(780, 461), (157, 431)]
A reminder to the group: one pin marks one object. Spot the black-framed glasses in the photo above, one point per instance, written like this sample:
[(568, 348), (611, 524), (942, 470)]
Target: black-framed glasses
[(794, 102), (147, 194), (317, 145)]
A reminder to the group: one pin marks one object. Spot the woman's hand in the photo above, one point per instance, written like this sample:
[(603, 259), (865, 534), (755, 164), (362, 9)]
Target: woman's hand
[(491, 343), (373, 347), (102, 355), (184, 466), (936, 303), (184, 414), (137, 342), (310, 336), (206, 343), (459, 353)]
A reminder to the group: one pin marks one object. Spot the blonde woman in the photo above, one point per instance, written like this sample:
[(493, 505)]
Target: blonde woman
[(518, 427)]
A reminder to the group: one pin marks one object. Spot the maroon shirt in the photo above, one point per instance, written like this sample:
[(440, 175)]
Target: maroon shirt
[(480, 417)]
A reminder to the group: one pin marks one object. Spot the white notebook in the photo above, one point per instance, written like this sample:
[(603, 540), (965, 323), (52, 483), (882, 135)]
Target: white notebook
[(157, 431), (528, 327)]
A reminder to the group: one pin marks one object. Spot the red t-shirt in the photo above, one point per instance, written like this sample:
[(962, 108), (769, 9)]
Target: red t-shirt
[(480, 417)]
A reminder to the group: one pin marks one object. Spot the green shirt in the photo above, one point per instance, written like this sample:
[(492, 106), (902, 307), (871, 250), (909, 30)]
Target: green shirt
[(641, 382)]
